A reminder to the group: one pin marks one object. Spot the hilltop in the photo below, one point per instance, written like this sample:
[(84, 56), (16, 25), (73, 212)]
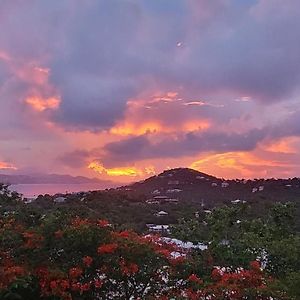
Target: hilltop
[(191, 186)]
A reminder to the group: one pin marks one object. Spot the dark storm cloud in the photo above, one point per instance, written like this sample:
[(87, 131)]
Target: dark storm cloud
[(101, 53), (141, 147)]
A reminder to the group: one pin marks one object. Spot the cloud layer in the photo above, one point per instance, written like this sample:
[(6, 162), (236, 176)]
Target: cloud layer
[(149, 84)]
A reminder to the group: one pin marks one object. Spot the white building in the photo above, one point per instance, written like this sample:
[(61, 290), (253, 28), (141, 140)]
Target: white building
[(161, 214), (60, 200), (225, 184), (158, 228), (174, 191)]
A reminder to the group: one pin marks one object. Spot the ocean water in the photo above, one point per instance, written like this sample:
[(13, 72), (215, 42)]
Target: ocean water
[(33, 190)]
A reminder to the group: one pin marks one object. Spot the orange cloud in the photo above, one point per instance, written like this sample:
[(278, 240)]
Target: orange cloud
[(123, 171), (6, 166), (40, 104), (237, 164), (146, 115), (284, 145)]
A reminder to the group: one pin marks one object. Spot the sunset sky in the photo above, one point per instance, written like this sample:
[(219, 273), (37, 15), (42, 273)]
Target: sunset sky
[(123, 89)]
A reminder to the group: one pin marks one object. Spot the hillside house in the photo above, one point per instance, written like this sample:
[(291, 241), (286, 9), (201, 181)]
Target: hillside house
[(173, 182), (173, 191), (158, 228), (238, 201), (60, 199), (155, 192), (161, 214), (152, 201), (160, 197), (225, 184), (172, 200)]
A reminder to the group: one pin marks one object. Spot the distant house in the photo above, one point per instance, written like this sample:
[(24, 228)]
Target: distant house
[(254, 190), (200, 177), (214, 184), (29, 200), (207, 211), (60, 199), (238, 201), (155, 192), (161, 214), (158, 228), (173, 191), (184, 245), (172, 200), (175, 182), (160, 197), (225, 184), (261, 188), (152, 201)]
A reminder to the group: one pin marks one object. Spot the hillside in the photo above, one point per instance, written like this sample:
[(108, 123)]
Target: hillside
[(170, 196), (192, 186)]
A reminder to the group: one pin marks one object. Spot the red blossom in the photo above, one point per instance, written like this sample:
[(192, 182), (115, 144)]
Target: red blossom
[(255, 265), (75, 272), (87, 261), (98, 283), (195, 279), (102, 223), (107, 248), (216, 274)]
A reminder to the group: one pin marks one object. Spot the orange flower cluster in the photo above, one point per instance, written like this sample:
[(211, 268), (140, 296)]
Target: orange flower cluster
[(32, 240), (87, 261), (128, 269), (107, 248)]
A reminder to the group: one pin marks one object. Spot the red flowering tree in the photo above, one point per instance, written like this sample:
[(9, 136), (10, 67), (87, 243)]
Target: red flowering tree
[(85, 259)]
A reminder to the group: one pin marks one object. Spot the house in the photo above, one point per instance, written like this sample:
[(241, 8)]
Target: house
[(155, 192), (158, 228), (261, 188), (60, 199), (175, 182), (254, 190), (29, 200), (214, 184), (236, 201), (160, 197), (184, 245), (172, 200), (161, 214), (173, 191), (225, 184), (152, 201), (207, 211), (200, 177)]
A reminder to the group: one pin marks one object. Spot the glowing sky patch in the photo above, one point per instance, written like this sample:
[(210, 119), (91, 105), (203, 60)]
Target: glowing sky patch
[(7, 166), (122, 171), (40, 104)]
